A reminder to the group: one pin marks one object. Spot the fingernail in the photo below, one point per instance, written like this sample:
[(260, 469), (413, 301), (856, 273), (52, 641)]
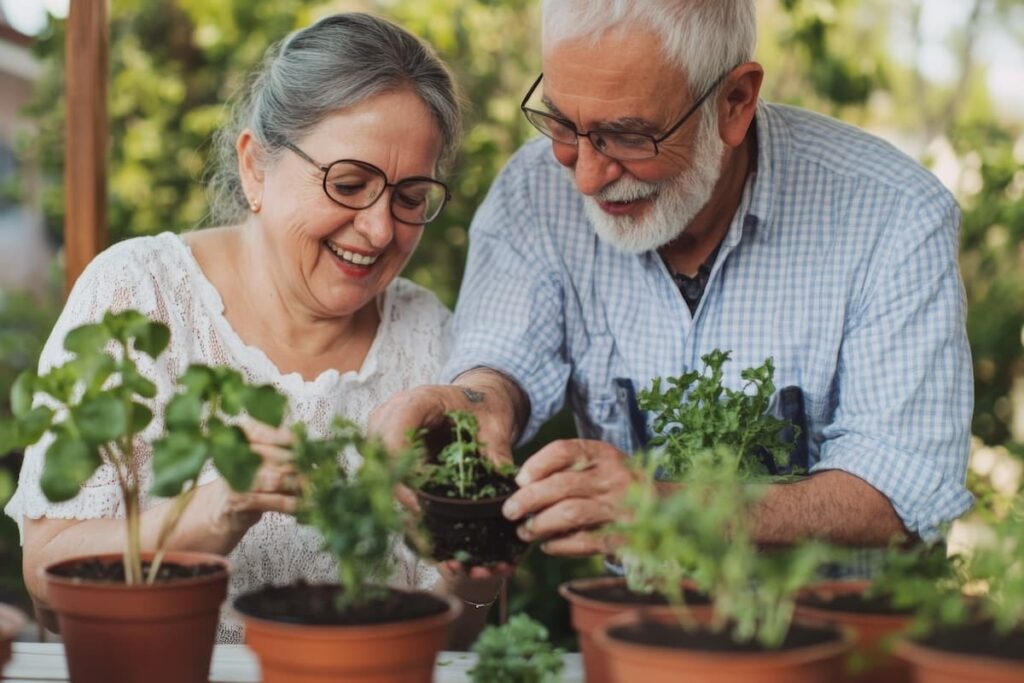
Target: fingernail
[(510, 510), (522, 478), (523, 534)]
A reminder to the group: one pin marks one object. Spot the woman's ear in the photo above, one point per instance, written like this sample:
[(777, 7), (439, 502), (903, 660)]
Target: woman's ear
[(740, 96), (250, 169)]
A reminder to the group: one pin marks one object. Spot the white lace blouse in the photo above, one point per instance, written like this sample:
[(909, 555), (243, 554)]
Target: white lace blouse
[(159, 277)]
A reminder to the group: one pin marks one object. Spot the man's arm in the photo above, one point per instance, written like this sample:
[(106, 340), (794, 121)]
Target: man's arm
[(832, 506)]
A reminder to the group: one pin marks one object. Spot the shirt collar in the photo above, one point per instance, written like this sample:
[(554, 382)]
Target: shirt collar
[(773, 149)]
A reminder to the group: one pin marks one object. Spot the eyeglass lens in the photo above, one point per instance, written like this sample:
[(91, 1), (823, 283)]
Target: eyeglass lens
[(356, 186)]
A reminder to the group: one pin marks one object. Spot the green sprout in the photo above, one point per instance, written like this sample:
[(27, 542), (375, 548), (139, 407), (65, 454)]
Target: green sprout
[(518, 652)]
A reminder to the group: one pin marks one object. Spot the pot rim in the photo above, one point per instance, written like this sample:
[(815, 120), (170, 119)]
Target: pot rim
[(336, 630), (857, 586), (800, 655), (176, 556), (955, 662), (467, 502)]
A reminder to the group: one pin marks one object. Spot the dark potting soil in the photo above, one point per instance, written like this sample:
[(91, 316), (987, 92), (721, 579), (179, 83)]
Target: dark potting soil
[(675, 636), (483, 538), (113, 572), (317, 605), (854, 603), (620, 594), (504, 486), (979, 640)]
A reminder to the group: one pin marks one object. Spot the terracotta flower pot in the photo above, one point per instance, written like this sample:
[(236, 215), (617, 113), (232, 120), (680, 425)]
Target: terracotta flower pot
[(930, 664), (476, 527), (163, 633), (633, 662), (397, 652), (874, 633), (589, 614), (11, 621)]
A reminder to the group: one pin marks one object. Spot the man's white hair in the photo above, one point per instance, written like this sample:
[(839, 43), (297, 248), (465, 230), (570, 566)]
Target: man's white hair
[(704, 38)]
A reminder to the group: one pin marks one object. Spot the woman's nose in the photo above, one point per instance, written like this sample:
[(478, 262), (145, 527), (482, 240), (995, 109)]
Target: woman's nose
[(376, 223)]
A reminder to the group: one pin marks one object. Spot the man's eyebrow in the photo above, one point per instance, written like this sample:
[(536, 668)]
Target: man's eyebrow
[(627, 124)]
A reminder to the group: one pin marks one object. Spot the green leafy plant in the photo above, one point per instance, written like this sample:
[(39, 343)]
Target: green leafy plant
[(354, 511), (96, 405), (694, 412), (924, 580), (461, 470), (702, 532), (518, 652)]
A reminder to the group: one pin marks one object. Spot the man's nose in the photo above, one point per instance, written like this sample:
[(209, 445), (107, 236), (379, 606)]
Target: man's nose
[(593, 171)]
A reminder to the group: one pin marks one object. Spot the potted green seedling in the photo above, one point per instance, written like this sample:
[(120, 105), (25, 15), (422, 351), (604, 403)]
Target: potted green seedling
[(460, 493), (690, 413), (358, 629), (703, 531), (117, 612), (516, 652), (980, 638)]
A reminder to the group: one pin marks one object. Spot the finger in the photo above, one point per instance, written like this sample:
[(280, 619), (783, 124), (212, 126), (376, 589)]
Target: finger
[(276, 479), (407, 498), (257, 432), (578, 544), (548, 491), (272, 454), (566, 517), (557, 456), (269, 502)]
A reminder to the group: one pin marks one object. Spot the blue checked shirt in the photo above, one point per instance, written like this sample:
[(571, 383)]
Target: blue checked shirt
[(840, 264)]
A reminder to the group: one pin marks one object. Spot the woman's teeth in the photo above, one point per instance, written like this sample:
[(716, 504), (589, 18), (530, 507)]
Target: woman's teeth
[(351, 257)]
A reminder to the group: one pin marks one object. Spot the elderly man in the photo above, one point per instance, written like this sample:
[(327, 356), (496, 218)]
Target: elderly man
[(668, 212)]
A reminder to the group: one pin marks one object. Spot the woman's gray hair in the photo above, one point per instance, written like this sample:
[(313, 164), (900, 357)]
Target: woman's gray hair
[(337, 63), (704, 38)]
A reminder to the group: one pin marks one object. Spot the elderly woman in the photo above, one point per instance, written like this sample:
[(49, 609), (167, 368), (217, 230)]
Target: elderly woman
[(329, 175)]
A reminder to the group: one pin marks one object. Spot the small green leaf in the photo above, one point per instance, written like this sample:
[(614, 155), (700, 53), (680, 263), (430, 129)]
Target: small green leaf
[(196, 379), (177, 459), (101, 419), (69, 464), (235, 461), (233, 392), (140, 418), (21, 393), (87, 340), (31, 426), (134, 381), (184, 413), (152, 339), (266, 405)]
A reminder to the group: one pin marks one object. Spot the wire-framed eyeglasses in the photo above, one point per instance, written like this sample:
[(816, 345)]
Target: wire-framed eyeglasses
[(623, 145)]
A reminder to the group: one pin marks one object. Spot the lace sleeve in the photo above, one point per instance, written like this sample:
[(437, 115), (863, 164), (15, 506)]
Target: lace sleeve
[(119, 278)]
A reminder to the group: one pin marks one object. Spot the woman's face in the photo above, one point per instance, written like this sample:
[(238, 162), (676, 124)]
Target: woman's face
[(330, 259)]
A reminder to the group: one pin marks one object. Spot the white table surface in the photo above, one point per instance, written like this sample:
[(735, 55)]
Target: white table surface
[(35, 662)]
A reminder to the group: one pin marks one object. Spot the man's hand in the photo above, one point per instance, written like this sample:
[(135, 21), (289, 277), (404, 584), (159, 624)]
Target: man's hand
[(570, 489)]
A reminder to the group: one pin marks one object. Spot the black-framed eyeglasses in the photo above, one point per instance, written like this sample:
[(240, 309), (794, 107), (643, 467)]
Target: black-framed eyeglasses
[(617, 144), (355, 184)]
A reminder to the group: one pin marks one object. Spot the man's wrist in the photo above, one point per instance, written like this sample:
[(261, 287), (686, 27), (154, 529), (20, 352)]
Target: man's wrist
[(480, 382)]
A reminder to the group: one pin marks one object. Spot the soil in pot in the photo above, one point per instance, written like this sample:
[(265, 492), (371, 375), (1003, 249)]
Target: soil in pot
[(619, 593), (317, 605), (875, 624), (116, 632), (657, 650), (471, 531), (301, 637)]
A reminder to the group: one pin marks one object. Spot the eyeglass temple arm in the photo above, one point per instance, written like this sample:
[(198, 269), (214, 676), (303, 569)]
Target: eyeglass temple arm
[(695, 107)]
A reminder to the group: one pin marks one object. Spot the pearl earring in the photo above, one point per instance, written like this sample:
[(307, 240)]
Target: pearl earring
[(255, 206)]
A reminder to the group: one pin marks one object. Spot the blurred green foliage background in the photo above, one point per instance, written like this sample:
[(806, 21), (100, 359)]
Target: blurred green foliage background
[(175, 62)]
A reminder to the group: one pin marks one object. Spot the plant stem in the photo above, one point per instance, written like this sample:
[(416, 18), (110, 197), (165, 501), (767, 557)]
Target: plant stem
[(462, 459), (167, 528)]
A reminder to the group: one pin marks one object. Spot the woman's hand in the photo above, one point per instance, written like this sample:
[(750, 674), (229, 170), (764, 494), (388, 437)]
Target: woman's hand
[(275, 488)]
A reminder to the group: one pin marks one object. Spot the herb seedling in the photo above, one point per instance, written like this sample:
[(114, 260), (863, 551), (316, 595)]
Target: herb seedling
[(702, 532), (95, 406), (518, 652), (461, 470), (355, 512), (695, 412)]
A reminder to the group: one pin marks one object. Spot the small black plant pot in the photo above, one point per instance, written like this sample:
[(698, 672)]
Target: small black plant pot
[(471, 531)]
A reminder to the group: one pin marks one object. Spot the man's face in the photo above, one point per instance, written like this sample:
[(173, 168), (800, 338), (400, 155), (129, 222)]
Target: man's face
[(624, 83)]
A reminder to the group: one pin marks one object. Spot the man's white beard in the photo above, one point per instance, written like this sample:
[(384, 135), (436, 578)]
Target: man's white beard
[(677, 202)]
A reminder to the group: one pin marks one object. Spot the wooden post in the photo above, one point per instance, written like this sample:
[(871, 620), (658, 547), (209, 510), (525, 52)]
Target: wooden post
[(85, 174)]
